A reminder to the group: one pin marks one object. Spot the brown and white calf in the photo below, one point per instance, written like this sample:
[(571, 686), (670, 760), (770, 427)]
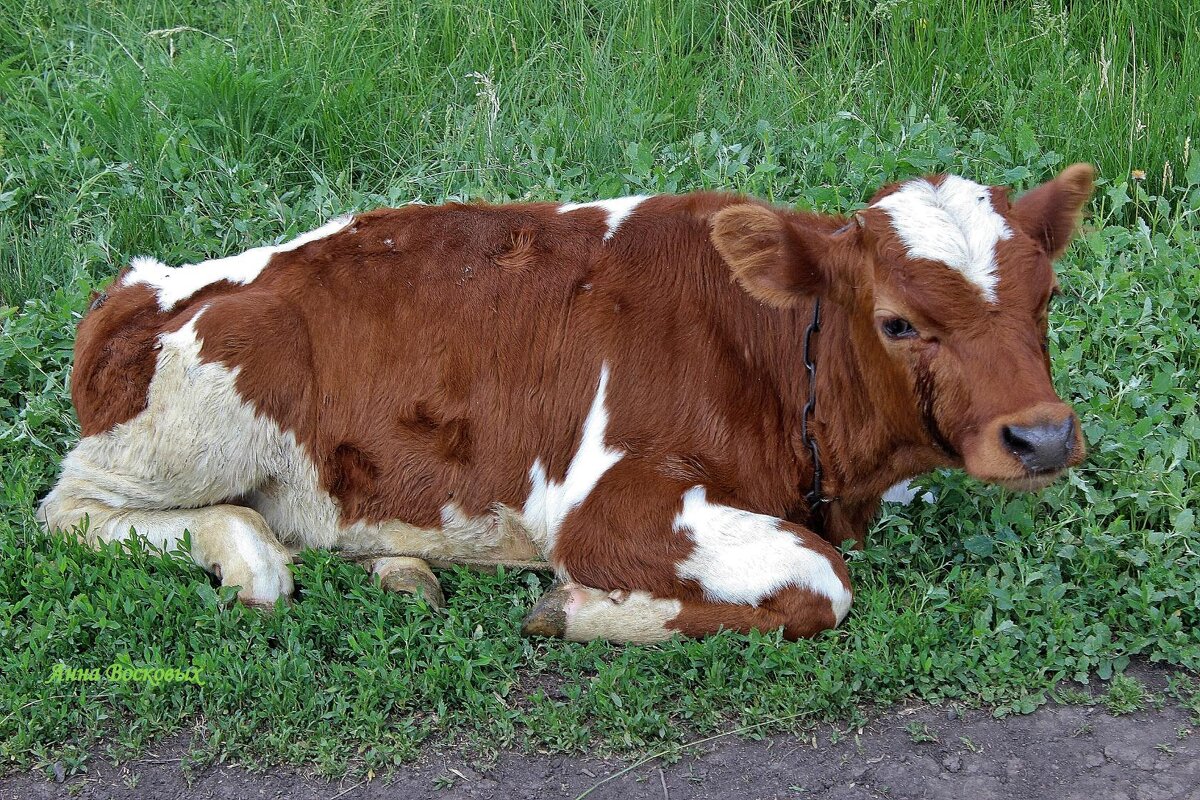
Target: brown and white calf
[(616, 387)]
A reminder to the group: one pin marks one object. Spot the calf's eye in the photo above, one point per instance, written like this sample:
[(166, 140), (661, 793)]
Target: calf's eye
[(898, 328)]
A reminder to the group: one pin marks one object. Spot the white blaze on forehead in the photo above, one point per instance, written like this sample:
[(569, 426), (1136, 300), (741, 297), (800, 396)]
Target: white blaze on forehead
[(179, 283), (742, 557), (954, 223), (549, 501), (617, 210)]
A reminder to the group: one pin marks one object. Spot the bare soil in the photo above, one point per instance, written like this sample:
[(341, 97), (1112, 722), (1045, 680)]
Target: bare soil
[(1060, 752)]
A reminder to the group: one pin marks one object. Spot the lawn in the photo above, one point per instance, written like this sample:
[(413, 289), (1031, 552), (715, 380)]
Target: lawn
[(189, 130)]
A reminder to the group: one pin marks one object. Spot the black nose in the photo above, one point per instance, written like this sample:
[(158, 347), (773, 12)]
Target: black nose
[(1041, 448)]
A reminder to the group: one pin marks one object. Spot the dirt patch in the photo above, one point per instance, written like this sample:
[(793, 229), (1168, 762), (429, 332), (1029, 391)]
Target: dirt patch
[(1060, 752)]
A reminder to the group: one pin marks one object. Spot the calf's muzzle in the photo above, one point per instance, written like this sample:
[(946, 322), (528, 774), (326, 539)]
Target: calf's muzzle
[(1041, 447)]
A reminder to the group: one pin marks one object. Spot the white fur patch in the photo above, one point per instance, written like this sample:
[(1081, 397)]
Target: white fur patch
[(260, 557), (175, 467), (638, 617), (954, 223), (198, 443), (904, 493), (549, 501), (742, 557), (179, 283), (172, 455), (617, 209)]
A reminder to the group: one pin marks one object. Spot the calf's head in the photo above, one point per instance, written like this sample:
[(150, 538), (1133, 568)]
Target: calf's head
[(948, 287)]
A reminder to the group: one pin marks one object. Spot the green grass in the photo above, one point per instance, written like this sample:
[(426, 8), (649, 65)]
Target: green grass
[(254, 120)]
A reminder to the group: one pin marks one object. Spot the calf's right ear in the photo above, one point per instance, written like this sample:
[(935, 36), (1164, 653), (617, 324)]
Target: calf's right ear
[(774, 259)]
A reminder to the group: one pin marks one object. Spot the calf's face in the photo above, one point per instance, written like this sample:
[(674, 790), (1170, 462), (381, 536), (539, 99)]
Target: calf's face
[(955, 283)]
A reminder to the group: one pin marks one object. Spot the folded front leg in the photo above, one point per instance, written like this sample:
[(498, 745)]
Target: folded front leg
[(649, 556), (583, 614)]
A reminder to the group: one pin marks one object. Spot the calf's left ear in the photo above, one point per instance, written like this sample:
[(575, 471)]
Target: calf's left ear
[(1050, 213), (774, 259)]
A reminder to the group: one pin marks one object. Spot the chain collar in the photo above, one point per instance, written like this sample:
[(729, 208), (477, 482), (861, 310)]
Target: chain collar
[(815, 498)]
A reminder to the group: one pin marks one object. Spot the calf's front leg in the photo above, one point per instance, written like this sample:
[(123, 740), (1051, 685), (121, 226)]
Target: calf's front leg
[(649, 557), (581, 614)]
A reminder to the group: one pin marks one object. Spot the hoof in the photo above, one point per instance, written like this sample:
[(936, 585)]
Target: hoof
[(265, 606), (237, 546), (548, 619), (409, 576), (261, 588)]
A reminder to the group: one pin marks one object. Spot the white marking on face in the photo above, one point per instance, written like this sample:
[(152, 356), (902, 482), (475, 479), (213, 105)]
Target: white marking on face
[(741, 557), (954, 223), (179, 283), (617, 209), (902, 492), (549, 501)]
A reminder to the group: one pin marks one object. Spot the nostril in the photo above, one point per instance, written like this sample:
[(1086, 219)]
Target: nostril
[(1066, 438), (1020, 444)]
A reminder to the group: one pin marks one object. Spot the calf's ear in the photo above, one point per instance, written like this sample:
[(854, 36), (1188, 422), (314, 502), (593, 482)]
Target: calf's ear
[(774, 259), (1050, 213)]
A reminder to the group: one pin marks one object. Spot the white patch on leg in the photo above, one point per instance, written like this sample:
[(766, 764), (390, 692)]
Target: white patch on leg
[(741, 557), (198, 443), (179, 283), (635, 617), (617, 209), (549, 501), (954, 223)]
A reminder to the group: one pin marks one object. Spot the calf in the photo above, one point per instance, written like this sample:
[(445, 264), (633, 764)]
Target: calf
[(620, 388)]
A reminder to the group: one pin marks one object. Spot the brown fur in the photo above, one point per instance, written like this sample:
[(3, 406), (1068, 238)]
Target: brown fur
[(800, 612)]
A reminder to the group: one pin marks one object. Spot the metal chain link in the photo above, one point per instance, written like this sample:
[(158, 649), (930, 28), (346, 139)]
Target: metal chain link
[(814, 497)]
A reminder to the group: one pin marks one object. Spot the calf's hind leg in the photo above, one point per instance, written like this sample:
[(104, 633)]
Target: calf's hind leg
[(175, 466), (232, 542)]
